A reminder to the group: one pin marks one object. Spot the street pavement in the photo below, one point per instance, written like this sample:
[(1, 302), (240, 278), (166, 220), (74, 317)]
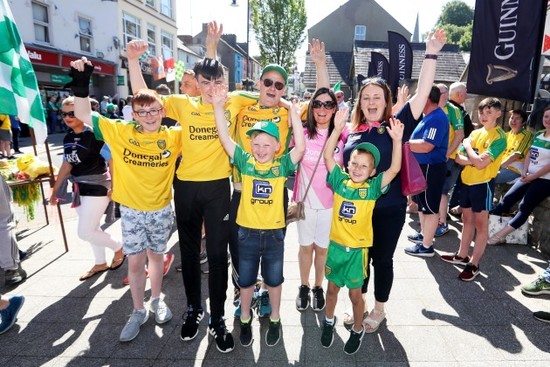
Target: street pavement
[(433, 318)]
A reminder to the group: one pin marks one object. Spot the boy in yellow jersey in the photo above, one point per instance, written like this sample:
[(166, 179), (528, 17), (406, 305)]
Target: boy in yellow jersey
[(351, 231), (144, 154), (480, 155), (261, 215)]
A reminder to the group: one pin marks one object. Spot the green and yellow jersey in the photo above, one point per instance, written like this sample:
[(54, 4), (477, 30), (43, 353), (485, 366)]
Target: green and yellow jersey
[(492, 141), (456, 123)]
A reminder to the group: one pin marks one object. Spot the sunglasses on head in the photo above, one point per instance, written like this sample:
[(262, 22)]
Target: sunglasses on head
[(278, 85), (329, 105), (68, 114)]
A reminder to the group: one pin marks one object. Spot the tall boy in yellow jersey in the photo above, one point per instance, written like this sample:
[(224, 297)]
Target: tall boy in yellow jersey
[(351, 231), (261, 215), (480, 155), (144, 155)]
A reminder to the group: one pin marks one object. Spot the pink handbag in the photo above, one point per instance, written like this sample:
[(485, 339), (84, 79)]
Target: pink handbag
[(412, 179)]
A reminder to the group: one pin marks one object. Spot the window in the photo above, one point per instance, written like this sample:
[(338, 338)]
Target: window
[(152, 38), (150, 3), (131, 28), (41, 23), (167, 41), (85, 33), (166, 7), (360, 33)]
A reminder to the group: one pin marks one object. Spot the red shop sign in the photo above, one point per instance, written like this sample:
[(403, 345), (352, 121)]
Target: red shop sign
[(37, 56)]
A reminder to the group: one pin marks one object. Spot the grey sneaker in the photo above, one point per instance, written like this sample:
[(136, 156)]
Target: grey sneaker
[(303, 300), (15, 276), (318, 302), (131, 329), (161, 311)]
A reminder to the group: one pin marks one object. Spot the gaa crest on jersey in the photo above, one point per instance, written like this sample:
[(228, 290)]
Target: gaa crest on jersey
[(161, 143), (328, 270), (276, 110), (227, 115), (362, 193), (275, 170), (381, 130)]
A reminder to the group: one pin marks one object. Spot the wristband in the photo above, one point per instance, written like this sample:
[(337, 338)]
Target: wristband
[(430, 56)]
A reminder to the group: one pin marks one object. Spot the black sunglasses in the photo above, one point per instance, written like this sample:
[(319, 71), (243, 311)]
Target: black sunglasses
[(329, 105), (278, 85), (68, 114)]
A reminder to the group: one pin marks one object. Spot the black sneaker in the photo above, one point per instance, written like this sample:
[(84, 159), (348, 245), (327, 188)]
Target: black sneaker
[(246, 333), (318, 302), (327, 336), (302, 300), (455, 259), (223, 338), (354, 342), (273, 334), (469, 273), (15, 276), (190, 326)]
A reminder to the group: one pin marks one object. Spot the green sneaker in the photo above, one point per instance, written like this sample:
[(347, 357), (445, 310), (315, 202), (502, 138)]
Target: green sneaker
[(273, 334), (354, 342), (327, 336), (537, 287)]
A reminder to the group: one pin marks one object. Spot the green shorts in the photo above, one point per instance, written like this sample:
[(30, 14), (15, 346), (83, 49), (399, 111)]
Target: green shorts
[(346, 266)]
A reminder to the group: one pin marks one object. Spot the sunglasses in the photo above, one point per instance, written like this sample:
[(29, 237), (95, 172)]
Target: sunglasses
[(329, 105), (68, 114), (144, 113), (278, 85)]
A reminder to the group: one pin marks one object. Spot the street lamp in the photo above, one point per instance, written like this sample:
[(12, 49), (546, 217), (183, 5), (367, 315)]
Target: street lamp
[(234, 3)]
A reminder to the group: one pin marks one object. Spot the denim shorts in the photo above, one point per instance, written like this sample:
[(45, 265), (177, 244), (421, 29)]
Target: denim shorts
[(265, 245), (142, 230)]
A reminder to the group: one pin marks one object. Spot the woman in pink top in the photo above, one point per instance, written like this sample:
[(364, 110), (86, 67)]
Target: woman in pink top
[(313, 232)]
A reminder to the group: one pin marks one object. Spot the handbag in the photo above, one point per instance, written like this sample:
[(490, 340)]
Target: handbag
[(412, 179), (296, 209), (518, 237)]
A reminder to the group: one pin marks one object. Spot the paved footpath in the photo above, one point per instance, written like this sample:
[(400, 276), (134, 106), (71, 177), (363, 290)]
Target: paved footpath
[(433, 319)]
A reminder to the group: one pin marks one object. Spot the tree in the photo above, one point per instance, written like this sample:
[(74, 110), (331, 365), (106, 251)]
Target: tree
[(279, 27), (457, 20)]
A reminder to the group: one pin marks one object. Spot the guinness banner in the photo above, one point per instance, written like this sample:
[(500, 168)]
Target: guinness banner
[(378, 66), (506, 44), (401, 60)]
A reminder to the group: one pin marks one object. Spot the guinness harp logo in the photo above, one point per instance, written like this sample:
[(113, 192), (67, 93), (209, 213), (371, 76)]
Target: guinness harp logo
[(499, 73)]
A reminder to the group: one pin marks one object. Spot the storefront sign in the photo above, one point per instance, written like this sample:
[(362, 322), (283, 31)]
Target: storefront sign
[(146, 68), (120, 80), (60, 78), (43, 57)]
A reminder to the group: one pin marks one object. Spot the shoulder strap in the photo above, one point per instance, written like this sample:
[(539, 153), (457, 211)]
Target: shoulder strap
[(315, 169)]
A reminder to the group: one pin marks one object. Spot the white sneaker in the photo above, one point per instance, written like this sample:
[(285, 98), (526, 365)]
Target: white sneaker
[(131, 329), (161, 311)]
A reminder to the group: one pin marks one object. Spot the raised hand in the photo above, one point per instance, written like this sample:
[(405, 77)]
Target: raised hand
[(80, 63), (295, 111), (403, 94), (219, 95), (136, 48), (396, 129), (316, 50), (214, 34), (340, 119), (435, 41)]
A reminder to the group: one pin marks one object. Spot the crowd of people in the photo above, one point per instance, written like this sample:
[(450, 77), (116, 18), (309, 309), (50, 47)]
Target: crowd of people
[(196, 146)]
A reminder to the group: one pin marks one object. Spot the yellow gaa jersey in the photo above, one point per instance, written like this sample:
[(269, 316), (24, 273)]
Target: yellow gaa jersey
[(261, 205), (144, 164), (353, 206), (203, 156), (517, 144), (456, 122), (492, 141), (250, 115), (5, 122)]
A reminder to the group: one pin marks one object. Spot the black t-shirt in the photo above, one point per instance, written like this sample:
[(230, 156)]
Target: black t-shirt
[(83, 152), (382, 140)]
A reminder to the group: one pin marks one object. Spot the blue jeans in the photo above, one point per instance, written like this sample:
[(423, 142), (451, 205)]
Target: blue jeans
[(257, 245), (505, 175)]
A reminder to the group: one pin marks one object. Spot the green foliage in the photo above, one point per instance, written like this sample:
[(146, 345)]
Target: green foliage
[(457, 20), (279, 27)]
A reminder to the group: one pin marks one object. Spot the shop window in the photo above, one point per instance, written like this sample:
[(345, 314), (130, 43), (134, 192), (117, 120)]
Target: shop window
[(360, 33), (166, 7), (41, 23), (131, 28), (167, 41), (85, 34), (151, 38)]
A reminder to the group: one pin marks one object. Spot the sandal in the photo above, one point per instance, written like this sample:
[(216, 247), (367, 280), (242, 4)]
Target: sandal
[(117, 262), (373, 321), (348, 317), (97, 269)]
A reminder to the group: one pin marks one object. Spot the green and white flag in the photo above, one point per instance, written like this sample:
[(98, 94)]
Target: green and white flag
[(19, 94)]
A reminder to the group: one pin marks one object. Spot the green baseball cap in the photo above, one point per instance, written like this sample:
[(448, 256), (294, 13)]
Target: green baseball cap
[(267, 127), (372, 149), (277, 68)]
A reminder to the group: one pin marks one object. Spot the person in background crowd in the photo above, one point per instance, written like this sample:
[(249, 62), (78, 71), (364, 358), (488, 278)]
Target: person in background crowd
[(103, 105), (52, 114), (127, 110), (112, 111), (5, 137), (307, 96), (189, 84), (15, 131)]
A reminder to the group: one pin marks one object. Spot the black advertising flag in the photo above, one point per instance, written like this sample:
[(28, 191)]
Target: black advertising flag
[(506, 45), (401, 59), (372, 70), (380, 65)]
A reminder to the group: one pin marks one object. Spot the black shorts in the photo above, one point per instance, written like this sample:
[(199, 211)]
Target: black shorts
[(478, 197), (435, 174)]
